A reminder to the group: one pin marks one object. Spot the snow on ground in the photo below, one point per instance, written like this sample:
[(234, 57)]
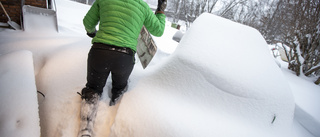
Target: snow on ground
[(18, 101), (214, 83), (306, 94)]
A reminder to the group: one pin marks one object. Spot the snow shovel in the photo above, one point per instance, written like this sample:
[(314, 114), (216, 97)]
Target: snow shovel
[(11, 23)]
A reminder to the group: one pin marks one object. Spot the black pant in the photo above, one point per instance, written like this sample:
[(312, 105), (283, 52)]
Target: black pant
[(102, 61)]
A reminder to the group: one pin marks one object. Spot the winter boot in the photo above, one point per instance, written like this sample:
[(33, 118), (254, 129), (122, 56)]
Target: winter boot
[(116, 96), (88, 112)]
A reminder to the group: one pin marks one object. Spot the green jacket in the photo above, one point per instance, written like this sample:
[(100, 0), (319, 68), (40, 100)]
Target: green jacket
[(121, 22)]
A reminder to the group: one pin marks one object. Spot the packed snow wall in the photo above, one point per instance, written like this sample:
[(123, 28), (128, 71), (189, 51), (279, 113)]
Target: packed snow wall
[(19, 114), (220, 81)]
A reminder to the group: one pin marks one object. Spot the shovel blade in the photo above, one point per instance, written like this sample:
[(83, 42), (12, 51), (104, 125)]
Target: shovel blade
[(14, 25)]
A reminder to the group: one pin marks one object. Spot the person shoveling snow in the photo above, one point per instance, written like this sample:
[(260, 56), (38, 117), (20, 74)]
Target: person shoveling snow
[(113, 49)]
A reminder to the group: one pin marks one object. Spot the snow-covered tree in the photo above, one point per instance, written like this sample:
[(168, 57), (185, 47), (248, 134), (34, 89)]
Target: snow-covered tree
[(299, 22)]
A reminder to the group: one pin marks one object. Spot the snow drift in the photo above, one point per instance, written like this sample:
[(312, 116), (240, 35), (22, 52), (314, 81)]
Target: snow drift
[(220, 78), (18, 101)]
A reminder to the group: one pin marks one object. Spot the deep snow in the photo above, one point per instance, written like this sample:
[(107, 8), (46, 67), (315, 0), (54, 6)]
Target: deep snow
[(214, 83), (18, 104), (209, 92)]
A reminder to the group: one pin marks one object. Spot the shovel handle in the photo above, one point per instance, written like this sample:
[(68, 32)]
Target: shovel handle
[(5, 11)]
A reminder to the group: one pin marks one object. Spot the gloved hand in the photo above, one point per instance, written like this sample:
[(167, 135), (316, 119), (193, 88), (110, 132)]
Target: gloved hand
[(162, 4), (92, 35)]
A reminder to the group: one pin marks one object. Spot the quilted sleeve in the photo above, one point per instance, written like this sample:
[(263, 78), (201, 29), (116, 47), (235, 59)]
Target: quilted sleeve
[(92, 17), (155, 23)]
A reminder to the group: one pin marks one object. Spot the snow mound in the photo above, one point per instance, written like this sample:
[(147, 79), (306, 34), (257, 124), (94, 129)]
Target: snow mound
[(18, 101), (220, 81)]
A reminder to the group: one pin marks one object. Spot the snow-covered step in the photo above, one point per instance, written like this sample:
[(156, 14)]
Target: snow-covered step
[(19, 115)]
